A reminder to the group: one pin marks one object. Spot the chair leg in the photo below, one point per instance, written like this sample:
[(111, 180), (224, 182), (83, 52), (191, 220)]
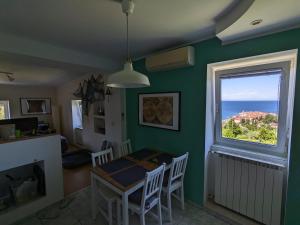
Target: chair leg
[(131, 212), (159, 213), (119, 212), (110, 220), (142, 219), (182, 198), (169, 195)]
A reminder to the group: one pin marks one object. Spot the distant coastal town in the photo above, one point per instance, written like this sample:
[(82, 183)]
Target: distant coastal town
[(252, 126)]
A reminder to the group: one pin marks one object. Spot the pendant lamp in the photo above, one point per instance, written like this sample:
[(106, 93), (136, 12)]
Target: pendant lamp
[(127, 78)]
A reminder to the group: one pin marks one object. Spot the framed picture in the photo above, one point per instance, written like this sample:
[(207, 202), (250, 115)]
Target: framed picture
[(160, 110), (35, 106)]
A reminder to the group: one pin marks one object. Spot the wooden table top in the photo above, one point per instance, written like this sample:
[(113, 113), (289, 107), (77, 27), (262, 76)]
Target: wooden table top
[(149, 162)]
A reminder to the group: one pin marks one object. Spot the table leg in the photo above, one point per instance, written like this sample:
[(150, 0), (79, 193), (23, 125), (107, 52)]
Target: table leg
[(93, 196), (125, 208)]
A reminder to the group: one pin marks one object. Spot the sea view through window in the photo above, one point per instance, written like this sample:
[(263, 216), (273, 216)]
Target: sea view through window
[(250, 108)]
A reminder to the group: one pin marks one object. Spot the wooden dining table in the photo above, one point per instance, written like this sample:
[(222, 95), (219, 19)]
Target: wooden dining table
[(127, 174)]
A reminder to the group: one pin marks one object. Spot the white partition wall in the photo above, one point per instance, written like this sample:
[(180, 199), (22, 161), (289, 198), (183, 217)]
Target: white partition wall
[(18, 153)]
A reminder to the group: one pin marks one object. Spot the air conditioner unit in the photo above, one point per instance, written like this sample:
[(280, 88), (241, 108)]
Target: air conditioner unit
[(178, 58)]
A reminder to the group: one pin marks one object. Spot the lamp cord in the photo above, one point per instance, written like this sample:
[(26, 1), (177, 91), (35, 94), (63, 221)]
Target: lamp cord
[(127, 36)]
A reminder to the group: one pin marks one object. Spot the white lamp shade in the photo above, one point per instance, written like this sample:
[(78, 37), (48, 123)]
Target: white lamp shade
[(128, 78)]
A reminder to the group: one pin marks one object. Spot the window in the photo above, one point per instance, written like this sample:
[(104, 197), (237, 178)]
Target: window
[(4, 110), (77, 113), (251, 107)]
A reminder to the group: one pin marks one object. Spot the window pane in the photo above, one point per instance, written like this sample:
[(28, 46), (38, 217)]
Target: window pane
[(250, 108), (4, 110), (77, 113)]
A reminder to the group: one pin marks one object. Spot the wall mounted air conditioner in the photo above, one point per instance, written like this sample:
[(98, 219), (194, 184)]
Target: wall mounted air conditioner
[(178, 58)]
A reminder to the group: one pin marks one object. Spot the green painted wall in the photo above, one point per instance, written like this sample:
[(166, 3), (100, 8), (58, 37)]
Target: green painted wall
[(192, 84)]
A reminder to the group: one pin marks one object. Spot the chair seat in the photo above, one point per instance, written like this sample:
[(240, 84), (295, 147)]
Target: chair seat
[(106, 193), (136, 198)]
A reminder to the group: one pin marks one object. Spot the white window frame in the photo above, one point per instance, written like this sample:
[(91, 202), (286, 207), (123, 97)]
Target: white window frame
[(258, 61), (6, 108), (280, 148), (212, 69)]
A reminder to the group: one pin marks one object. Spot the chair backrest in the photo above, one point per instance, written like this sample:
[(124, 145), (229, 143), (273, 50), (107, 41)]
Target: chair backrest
[(125, 148), (106, 145), (178, 167), (102, 157), (153, 184)]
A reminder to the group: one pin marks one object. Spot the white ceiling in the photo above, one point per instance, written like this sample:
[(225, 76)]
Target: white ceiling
[(34, 71), (96, 28)]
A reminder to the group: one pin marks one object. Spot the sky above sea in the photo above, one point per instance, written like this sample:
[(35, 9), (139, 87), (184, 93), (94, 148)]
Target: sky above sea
[(255, 88)]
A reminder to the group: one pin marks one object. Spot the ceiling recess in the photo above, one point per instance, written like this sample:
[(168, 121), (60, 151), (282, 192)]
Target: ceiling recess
[(250, 19)]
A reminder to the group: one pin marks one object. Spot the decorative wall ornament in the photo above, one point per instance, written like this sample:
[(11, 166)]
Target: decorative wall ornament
[(108, 93), (89, 91)]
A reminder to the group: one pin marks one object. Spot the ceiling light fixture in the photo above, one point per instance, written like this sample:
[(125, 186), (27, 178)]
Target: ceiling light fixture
[(9, 75), (256, 22), (127, 78)]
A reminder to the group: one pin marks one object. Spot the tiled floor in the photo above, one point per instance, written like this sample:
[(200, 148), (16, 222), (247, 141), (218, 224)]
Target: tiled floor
[(75, 210)]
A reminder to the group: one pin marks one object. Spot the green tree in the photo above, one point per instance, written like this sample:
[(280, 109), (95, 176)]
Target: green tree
[(266, 135), (232, 129), (269, 118), (227, 133), (243, 121)]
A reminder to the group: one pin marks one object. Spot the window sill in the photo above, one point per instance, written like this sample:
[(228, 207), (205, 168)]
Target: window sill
[(252, 156)]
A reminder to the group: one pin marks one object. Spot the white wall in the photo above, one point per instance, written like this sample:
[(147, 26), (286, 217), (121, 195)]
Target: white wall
[(113, 120), (13, 93)]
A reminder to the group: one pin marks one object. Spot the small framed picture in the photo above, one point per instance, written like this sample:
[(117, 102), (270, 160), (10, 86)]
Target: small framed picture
[(160, 110), (35, 106)]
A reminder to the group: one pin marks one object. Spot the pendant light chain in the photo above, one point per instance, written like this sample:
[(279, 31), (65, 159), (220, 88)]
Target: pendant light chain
[(127, 36)]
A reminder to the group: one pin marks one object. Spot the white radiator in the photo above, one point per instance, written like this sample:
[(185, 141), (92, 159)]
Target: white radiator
[(250, 188)]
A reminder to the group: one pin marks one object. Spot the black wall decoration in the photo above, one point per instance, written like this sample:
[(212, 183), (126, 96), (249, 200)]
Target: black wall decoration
[(90, 91)]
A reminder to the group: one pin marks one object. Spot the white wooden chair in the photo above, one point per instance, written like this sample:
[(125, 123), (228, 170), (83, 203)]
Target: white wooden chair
[(109, 196), (144, 199), (174, 181), (125, 148)]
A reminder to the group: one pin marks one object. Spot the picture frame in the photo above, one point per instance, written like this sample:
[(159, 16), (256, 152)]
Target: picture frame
[(35, 106), (161, 110)]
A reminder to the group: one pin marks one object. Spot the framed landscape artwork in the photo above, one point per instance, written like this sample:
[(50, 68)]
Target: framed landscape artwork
[(35, 106), (160, 110)]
